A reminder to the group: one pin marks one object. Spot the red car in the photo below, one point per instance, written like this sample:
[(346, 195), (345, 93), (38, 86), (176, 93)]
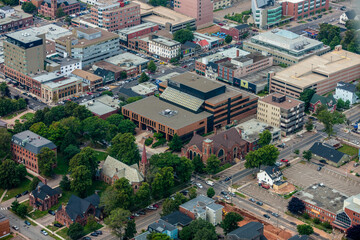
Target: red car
[(265, 186), (156, 206), (284, 160), (89, 93)]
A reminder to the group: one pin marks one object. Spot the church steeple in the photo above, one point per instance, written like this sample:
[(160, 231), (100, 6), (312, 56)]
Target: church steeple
[(144, 164)]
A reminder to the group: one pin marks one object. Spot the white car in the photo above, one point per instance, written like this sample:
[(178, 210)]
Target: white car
[(199, 185), (44, 232)]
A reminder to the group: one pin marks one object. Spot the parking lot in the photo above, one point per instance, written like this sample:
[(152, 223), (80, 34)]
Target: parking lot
[(265, 196), (306, 174)]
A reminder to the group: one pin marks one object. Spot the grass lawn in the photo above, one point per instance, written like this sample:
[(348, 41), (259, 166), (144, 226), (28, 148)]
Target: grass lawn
[(8, 237), (37, 214), (24, 185), (12, 115), (1, 191), (27, 116), (240, 195), (87, 230), (63, 233), (310, 222), (261, 94), (349, 150), (62, 165), (101, 155), (52, 228), (97, 185)]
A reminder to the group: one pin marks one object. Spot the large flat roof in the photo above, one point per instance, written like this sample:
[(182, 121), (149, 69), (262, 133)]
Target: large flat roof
[(316, 68), (165, 41), (197, 82), (14, 17), (152, 108), (56, 84), (228, 53), (287, 104), (137, 28), (25, 36), (323, 197), (126, 59), (250, 129), (229, 93), (52, 31)]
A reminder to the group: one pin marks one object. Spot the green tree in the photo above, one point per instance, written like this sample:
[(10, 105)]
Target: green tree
[(130, 230), (157, 236), (120, 194), (96, 128), (210, 192), (67, 20), (169, 206), (28, 7), (353, 232), (158, 2), (198, 164), (81, 112), (347, 104), (264, 138), (296, 206), (162, 183), (34, 182), (305, 229), (230, 222), (307, 155), (175, 144), (123, 75), (352, 24), (297, 151), (127, 126), (124, 148), (81, 179), (60, 13), (65, 183), (212, 164), (228, 39), (5, 141), (197, 226), (334, 42), (70, 151), (340, 103), (117, 221), (266, 155), (316, 220), (14, 205), (183, 35), (11, 174), (22, 210), (4, 90), (205, 234), (143, 195), (353, 47), (151, 66), (306, 96), (91, 223), (40, 128), (109, 93), (143, 77), (75, 231), (192, 193), (115, 119), (309, 125), (46, 161), (86, 157), (330, 119)]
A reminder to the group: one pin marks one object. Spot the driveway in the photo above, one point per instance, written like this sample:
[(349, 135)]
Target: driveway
[(46, 220)]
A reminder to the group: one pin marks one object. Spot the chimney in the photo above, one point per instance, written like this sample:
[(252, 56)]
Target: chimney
[(38, 189), (225, 136), (237, 53), (239, 130)]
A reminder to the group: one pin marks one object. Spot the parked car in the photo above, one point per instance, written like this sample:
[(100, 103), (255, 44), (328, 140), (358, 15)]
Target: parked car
[(27, 222), (156, 206), (227, 197), (51, 212), (224, 193), (232, 194), (275, 215), (284, 160), (15, 228), (252, 200), (18, 195), (319, 168), (266, 186), (24, 193), (211, 183), (278, 164), (99, 232), (151, 208), (199, 185), (94, 234), (86, 238), (58, 225), (44, 232), (259, 203), (141, 213), (323, 161), (281, 146), (227, 179), (266, 216), (185, 192)]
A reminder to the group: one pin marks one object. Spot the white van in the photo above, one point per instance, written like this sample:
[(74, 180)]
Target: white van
[(211, 183)]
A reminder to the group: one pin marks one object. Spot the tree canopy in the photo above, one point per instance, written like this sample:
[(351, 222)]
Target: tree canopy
[(151, 66), (28, 7), (75, 231), (228, 39), (11, 174), (306, 96), (117, 221), (230, 221), (46, 161), (143, 77), (124, 148), (198, 229), (305, 229), (183, 35), (212, 164), (353, 232), (264, 138), (120, 194), (5, 141), (175, 144), (266, 155), (163, 181), (296, 206), (156, 3), (329, 119)]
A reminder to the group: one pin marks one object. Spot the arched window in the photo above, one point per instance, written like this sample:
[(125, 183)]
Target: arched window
[(221, 153), (235, 152), (190, 155)]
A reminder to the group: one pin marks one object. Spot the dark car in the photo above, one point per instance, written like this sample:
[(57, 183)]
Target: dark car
[(27, 223), (86, 238), (227, 179), (99, 232), (323, 161), (141, 213), (259, 203), (18, 195), (266, 216), (252, 200), (24, 193), (275, 215), (185, 192), (58, 225), (319, 168), (51, 212), (94, 234), (224, 193)]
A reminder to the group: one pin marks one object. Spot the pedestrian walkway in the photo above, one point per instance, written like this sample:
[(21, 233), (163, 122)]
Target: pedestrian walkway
[(3, 195), (45, 228)]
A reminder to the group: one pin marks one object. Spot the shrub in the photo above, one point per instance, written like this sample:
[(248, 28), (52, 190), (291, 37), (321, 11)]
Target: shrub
[(149, 141), (316, 220), (306, 216)]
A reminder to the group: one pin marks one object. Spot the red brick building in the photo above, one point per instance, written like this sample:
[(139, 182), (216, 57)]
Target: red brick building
[(235, 31), (350, 216), (25, 147), (136, 31), (48, 8), (44, 197), (303, 8), (226, 146), (4, 226), (141, 44), (16, 21), (78, 210)]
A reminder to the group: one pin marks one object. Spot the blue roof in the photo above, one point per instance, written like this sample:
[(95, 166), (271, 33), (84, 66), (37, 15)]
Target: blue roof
[(287, 34)]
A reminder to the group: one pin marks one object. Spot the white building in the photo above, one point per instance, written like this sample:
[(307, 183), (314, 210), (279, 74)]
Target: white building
[(6, 11), (346, 16), (164, 47), (270, 175), (346, 91), (66, 65)]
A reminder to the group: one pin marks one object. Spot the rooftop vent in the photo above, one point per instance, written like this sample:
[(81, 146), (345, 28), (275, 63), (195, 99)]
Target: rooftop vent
[(168, 113)]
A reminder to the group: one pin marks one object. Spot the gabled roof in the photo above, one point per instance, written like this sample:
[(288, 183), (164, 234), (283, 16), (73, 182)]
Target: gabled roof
[(190, 44), (3, 124), (252, 230), (78, 206), (177, 218), (351, 14), (114, 167), (242, 26), (161, 226), (326, 152), (273, 172), (32, 141), (43, 190), (328, 100), (203, 43), (346, 86)]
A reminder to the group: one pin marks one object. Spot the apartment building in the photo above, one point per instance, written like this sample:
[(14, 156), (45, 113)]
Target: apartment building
[(136, 31), (220, 4), (114, 15), (300, 9), (15, 21), (49, 8), (163, 47), (201, 10), (25, 147), (284, 46), (266, 13), (321, 73), (90, 45), (281, 111)]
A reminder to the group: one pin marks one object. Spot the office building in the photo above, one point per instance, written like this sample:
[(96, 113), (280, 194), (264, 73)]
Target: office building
[(136, 31), (165, 18), (201, 10), (284, 46), (350, 214), (281, 111), (321, 73), (64, 66), (90, 81), (300, 9), (114, 15), (103, 106), (163, 47), (266, 13), (90, 45), (220, 4), (25, 147), (321, 201), (49, 8), (128, 62), (190, 103), (15, 21)]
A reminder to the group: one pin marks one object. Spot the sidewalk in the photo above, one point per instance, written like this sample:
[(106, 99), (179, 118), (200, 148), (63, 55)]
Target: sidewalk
[(48, 230)]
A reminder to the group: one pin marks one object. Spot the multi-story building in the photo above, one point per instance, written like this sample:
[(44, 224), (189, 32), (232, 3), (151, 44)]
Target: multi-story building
[(284, 46), (139, 43), (90, 81), (4, 226), (321, 201), (303, 8), (103, 106), (281, 111), (90, 45), (130, 63), (201, 10), (163, 47), (161, 226), (15, 21), (350, 214), (114, 15), (44, 197), (64, 66), (321, 73), (207, 42), (136, 31), (6, 11), (266, 13), (220, 4), (235, 31), (346, 92), (20, 50), (49, 8), (190, 103), (25, 147)]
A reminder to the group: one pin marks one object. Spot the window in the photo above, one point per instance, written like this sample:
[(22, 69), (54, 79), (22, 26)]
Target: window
[(221, 153)]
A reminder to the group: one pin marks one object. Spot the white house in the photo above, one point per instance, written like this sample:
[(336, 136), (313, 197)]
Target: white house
[(270, 175), (349, 15), (346, 91), (6, 11)]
